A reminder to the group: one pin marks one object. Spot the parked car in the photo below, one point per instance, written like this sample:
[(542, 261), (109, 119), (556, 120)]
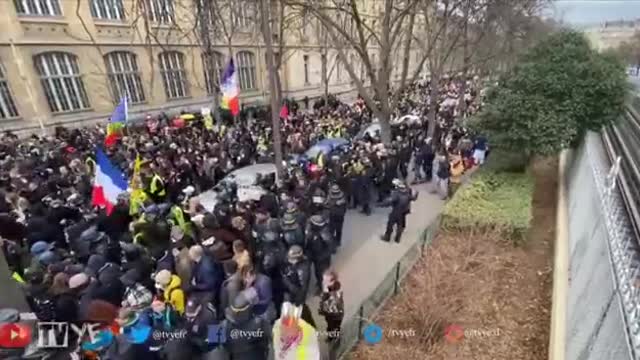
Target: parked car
[(374, 128), (327, 146), (246, 181)]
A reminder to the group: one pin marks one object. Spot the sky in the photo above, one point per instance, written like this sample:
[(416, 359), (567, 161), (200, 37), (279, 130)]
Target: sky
[(587, 12)]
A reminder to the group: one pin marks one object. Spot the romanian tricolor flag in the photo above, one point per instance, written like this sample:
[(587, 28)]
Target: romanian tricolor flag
[(117, 121), (230, 89)]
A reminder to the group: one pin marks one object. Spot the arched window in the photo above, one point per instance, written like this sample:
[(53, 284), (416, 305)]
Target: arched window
[(213, 68), (107, 9), (62, 82), (174, 75), (38, 7), (124, 76), (8, 108), (246, 70)]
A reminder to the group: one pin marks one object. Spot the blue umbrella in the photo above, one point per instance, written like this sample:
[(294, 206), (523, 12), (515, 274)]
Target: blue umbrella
[(325, 146)]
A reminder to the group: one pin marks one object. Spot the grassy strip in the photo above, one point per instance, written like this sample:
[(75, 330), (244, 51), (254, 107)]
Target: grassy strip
[(493, 200)]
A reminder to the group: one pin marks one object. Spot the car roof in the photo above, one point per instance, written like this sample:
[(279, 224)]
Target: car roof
[(267, 168), (324, 146)]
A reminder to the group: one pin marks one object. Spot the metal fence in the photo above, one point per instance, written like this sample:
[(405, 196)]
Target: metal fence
[(351, 331), (624, 250)]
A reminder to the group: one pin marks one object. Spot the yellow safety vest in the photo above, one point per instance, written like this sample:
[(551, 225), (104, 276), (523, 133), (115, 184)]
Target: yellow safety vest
[(320, 160), (358, 168), (137, 199), (178, 219), (262, 144), (17, 277), (137, 238), (303, 350), (157, 186), (91, 164), (208, 122)]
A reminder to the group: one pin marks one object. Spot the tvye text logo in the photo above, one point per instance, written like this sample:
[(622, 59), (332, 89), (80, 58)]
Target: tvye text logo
[(56, 334)]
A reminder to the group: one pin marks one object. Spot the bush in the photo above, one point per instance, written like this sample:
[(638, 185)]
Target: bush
[(559, 89), (506, 161), (493, 200)]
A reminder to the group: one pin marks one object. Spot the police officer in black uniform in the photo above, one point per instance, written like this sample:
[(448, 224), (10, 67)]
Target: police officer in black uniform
[(319, 246), (337, 205), (318, 201), (404, 157), (292, 232), (363, 177), (296, 274), (271, 256), (400, 203)]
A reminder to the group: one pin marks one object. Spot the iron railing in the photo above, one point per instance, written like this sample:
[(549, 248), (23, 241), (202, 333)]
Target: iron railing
[(351, 331)]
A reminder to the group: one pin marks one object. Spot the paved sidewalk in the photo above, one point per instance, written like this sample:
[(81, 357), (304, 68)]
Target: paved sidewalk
[(361, 269)]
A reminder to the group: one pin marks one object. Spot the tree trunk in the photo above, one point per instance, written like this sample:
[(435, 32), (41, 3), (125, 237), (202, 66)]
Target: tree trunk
[(206, 14), (325, 80), (433, 102), (462, 104), (382, 90), (273, 87)]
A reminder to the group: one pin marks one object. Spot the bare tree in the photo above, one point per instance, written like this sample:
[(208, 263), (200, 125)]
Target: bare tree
[(274, 81), (515, 25), (375, 36), (205, 16)]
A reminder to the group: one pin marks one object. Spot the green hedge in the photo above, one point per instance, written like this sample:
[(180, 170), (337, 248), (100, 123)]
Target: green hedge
[(500, 200), (506, 161)]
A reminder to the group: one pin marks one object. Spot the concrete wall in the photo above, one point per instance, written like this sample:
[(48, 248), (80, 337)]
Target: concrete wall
[(595, 328)]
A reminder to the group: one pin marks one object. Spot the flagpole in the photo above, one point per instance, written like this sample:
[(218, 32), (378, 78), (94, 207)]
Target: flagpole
[(126, 115)]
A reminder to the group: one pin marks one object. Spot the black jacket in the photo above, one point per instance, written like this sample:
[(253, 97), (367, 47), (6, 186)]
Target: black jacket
[(251, 347), (319, 243), (400, 202), (295, 278)]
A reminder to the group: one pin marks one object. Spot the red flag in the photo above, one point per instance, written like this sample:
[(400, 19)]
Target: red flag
[(284, 112)]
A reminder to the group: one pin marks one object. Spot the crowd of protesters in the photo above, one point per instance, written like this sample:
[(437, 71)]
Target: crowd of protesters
[(169, 263)]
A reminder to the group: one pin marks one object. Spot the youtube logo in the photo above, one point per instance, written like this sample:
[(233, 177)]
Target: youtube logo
[(14, 335)]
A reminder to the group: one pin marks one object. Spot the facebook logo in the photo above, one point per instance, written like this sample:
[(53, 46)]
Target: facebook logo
[(216, 334)]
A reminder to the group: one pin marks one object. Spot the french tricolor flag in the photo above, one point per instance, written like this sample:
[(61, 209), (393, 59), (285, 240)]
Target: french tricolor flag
[(108, 183), (230, 89)]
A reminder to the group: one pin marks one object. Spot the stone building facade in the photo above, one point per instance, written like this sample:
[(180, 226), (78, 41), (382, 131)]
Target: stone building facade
[(68, 62)]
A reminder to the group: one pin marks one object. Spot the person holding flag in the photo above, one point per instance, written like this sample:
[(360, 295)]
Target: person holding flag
[(230, 89), (138, 195), (117, 122)]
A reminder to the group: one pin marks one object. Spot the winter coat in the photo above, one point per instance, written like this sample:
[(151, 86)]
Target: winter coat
[(254, 347), (109, 287), (66, 307), (231, 287), (400, 202), (295, 278), (174, 295), (206, 275), (183, 265), (262, 285)]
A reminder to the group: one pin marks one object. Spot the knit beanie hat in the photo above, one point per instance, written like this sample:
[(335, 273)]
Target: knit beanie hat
[(78, 280), (163, 277)]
